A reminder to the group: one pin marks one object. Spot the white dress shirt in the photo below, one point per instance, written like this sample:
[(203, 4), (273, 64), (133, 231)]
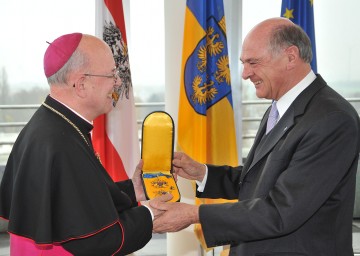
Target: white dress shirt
[(282, 105)]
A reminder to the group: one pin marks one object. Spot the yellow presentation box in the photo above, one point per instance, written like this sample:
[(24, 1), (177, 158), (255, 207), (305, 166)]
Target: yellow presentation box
[(157, 151)]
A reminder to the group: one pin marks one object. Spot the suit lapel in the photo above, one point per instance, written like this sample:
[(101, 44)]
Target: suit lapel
[(263, 144), (258, 137), (269, 141)]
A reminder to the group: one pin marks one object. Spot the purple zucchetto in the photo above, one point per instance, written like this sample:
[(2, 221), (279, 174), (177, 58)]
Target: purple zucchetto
[(59, 52)]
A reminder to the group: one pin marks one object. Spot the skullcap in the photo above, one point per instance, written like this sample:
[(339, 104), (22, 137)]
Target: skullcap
[(59, 52)]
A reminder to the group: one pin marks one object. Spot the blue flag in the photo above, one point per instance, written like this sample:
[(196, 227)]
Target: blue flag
[(301, 12), (206, 125)]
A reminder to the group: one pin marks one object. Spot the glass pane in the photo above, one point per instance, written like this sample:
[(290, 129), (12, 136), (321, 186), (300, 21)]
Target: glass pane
[(146, 54), (147, 49), (26, 26)]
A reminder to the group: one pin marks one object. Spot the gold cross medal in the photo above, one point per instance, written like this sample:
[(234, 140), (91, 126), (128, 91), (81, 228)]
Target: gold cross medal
[(157, 149)]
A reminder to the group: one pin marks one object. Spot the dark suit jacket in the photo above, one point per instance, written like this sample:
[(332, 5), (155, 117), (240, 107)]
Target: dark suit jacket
[(296, 190)]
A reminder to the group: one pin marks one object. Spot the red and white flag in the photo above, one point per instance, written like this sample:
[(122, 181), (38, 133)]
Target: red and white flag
[(115, 135)]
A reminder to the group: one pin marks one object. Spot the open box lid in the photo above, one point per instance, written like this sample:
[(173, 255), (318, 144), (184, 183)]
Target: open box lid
[(157, 142), (157, 153)]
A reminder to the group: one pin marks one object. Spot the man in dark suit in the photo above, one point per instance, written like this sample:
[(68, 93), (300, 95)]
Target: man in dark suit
[(296, 189)]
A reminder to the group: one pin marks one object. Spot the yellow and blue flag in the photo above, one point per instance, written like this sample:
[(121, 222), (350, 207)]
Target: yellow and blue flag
[(206, 129), (301, 12)]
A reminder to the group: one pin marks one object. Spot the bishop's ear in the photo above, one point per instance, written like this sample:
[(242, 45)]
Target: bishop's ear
[(79, 86)]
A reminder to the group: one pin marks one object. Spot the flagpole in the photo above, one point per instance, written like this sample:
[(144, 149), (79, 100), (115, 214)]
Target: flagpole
[(183, 243), (234, 36), (99, 6)]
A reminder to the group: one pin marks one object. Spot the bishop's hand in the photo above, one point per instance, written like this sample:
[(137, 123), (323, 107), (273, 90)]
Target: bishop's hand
[(175, 216), (137, 182)]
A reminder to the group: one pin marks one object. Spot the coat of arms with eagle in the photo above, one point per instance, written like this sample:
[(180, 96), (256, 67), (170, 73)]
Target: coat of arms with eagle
[(207, 72), (112, 36)]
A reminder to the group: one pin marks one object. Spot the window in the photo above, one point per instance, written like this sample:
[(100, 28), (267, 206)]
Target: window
[(337, 46), (27, 25)]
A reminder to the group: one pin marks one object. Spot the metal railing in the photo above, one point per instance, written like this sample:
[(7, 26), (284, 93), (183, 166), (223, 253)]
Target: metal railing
[(36, 106), (16, 107), (144, 105), (158, 105)]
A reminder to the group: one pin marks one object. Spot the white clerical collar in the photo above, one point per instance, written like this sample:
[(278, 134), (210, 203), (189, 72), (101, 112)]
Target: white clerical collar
[(72, 110)]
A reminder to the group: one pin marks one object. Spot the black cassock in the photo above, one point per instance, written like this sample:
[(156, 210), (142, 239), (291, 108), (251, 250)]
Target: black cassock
[(55, 191)]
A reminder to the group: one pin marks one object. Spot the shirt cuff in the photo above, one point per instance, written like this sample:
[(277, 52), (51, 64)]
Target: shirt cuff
[(152, 215), (201, 185)]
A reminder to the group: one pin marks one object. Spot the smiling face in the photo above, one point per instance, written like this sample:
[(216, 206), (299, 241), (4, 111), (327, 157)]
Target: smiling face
[(266, 69), (99, 80)]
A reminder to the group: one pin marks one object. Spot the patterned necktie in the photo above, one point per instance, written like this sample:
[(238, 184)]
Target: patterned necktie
[(273, 117)]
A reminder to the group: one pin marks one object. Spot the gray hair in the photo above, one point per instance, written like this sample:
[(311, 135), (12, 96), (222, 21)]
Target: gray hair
[(77, 61), (284, 36)]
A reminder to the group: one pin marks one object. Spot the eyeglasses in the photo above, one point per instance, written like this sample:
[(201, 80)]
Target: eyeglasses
[(115, 76)]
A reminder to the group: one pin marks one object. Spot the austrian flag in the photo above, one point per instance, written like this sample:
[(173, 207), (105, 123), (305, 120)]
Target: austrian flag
[(115, 136)]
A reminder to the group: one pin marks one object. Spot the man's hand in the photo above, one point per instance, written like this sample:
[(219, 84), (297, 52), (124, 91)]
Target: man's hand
[(137, 182), (175, 217), (186, 167), (157, 212)]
